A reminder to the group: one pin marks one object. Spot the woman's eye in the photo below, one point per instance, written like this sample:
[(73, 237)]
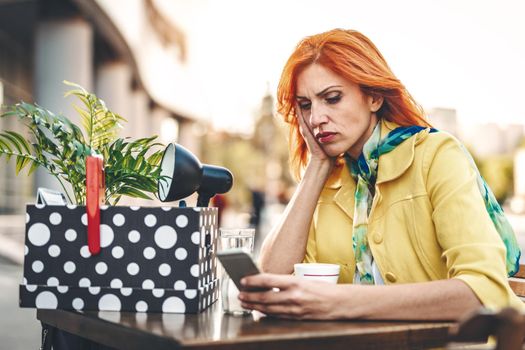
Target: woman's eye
[(305, 105), (333, 100)]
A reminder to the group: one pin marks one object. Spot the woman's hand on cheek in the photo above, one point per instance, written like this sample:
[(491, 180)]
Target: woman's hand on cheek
[(314, 147), (291, 297)]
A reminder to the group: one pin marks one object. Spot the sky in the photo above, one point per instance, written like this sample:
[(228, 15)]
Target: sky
[(462, 54)]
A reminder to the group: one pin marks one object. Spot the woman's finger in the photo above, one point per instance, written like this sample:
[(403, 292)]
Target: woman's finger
[(269, 281), (279, 310), (305, 130), (269, 297)]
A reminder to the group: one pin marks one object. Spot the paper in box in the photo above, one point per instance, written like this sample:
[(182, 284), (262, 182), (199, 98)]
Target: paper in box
[(155, 259)]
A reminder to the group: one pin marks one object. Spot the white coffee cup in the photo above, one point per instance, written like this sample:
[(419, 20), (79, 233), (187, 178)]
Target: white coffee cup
[(318, 272)]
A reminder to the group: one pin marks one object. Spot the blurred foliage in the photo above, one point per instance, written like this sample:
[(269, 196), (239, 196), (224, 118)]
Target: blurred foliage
[(498, 172), (259, 162), (522, 143), (245, 162), (131, 167)]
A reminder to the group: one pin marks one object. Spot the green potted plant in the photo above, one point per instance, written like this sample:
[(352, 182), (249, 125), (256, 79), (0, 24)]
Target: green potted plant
[(61, 147), (154, 259)]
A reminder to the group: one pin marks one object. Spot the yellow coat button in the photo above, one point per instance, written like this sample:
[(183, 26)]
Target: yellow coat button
[(390, 277), (378, 238)]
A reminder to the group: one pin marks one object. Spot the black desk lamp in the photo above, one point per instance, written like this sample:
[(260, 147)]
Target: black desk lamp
[(184, 174)]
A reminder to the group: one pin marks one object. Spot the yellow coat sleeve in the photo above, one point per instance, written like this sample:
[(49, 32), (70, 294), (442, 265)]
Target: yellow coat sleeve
[(472, 249)]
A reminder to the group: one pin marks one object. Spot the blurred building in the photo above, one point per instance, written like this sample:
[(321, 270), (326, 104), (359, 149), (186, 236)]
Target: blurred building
[(483, 139), (270, 139), (126, 51), (444, 119), (493, 139)]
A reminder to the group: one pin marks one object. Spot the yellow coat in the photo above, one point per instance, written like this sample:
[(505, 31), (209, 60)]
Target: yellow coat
[(428, 221)]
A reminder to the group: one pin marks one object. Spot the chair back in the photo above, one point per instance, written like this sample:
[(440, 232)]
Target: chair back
[(517, 283), (506, 325)]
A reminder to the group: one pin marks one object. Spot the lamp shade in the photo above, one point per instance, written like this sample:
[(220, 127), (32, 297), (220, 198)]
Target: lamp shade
[(183, 174)]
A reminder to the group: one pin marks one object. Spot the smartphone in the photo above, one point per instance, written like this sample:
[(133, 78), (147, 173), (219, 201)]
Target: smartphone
[(239, 264)]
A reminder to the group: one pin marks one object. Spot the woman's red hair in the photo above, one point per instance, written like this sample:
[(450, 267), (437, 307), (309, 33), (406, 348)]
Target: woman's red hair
[(354, 57)]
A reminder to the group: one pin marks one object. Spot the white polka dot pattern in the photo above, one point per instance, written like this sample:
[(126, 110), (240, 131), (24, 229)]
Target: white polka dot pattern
[(180, 285), (158, 293), (126, 291), (119, 220), (134, 236), (94, 290), (38, 234), (101, 268), (173, 304), (149, 253), (78, 304), (52, 281), (71, 235), (133, 269), (70, 267), (116, 283), (84, 252), (150, 220), (106, 236), (165, 237), (37, 266), (148, 284), (55, 218), (117, 252), (164, 269), (182, 221), (196, 237), (181, 253), (84, 282), (109, 302), (46, 300), (152, 259), (141, 306), (53, 250)]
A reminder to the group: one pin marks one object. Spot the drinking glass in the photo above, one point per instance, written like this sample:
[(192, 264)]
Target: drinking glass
[(234, 238)]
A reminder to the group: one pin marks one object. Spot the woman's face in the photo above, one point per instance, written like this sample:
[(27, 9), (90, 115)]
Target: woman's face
[(339, 115)]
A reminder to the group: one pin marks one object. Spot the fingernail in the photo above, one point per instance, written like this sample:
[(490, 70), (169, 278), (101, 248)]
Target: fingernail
[(243, 281)]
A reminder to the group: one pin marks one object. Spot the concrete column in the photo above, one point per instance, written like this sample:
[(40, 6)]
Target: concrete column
[(113, 85), (63, 51)]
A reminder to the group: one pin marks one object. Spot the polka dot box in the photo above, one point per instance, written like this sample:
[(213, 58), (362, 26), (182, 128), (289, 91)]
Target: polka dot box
[(152, 259)]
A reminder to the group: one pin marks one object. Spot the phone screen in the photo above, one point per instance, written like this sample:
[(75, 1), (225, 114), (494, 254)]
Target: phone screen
[(238, 264)]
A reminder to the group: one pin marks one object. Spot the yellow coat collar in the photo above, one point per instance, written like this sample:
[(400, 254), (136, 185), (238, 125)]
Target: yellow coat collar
[(391, 166)]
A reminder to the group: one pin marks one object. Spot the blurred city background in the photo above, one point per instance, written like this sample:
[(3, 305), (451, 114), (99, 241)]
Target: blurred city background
[(203, 74)]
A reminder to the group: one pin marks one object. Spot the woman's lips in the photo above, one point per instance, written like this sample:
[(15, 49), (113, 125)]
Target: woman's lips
[(325, 137)]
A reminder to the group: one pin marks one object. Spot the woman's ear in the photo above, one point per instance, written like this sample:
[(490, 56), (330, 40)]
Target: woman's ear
[(375, 102)]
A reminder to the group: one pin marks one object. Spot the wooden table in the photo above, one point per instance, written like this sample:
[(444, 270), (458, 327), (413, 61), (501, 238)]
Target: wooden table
[(213, 330)]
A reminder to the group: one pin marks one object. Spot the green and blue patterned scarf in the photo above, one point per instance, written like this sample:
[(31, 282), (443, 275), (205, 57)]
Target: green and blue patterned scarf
[(364, 172)]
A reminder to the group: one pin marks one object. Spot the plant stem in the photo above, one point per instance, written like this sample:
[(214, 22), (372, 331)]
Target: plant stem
[(64, 188)]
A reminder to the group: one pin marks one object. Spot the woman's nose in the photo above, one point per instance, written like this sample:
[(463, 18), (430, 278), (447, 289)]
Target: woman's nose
[(318, 115)]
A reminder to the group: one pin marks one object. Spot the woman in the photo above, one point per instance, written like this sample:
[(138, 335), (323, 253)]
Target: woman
[(395, 203)]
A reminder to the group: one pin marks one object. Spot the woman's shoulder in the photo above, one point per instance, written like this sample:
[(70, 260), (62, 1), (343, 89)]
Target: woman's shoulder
[(437, 140), (443, 151)]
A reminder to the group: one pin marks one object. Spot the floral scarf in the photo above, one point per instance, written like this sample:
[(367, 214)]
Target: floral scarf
[(364, 172)]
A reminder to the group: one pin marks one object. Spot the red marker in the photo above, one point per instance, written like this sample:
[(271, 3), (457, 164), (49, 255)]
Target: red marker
[(95, 186)]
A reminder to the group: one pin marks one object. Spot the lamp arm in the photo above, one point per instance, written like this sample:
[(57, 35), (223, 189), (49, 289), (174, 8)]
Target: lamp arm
[(203, 199)]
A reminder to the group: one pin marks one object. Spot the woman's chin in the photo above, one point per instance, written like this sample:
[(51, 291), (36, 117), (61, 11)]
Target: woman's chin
[(333, 151)]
